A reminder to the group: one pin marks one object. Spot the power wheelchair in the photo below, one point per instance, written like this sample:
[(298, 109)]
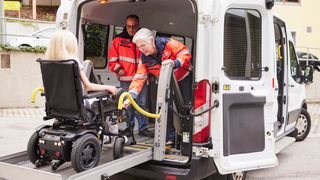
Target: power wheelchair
[(78, 131)]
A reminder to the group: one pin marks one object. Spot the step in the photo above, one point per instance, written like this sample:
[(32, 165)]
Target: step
[(283, 143)]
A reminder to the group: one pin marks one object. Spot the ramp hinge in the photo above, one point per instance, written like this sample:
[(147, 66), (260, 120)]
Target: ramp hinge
[(208, 19), (204, 152)]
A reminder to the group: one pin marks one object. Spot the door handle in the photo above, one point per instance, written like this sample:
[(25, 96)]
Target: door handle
[(291, 85), (284, 99)]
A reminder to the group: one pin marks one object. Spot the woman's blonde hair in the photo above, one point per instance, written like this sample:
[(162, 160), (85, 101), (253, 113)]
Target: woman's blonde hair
[(63, 45)]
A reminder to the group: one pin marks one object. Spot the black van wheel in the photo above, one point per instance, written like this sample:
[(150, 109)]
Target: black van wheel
[(237, 176), (85, 153), (33, 149), (303, 125), (118, 148)]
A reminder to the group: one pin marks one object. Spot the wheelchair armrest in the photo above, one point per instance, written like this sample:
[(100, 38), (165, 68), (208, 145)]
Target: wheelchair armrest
[(98, 94)]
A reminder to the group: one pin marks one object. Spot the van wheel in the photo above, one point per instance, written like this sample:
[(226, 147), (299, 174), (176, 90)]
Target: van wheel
[(85, 153), (33, 148), (303, 125), (118, 148), (237, 176)]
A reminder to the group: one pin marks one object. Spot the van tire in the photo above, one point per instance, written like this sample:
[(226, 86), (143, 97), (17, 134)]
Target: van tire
[(237, 176), (303, 124), (85, 153), (33, 148)]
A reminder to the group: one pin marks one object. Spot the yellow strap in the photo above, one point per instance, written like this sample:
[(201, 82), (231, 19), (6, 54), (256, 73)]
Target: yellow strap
[(135, 105), (34, 94)]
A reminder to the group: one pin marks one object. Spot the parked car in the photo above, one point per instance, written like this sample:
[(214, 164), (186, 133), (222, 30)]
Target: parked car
[(308, 59), (37, 38)]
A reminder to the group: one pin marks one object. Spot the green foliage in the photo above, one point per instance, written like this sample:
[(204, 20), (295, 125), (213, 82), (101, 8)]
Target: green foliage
[(37, 49), (49, 17), (95, 39)]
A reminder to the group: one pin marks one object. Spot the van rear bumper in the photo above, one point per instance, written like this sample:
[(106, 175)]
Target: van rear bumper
[(199, 168)]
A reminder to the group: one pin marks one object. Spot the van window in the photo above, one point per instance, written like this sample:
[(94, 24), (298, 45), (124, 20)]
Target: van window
[(96, 44), (293, 62), (242, 44)]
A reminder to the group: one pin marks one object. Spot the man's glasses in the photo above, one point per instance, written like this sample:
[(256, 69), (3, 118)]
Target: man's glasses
[(132, 27)]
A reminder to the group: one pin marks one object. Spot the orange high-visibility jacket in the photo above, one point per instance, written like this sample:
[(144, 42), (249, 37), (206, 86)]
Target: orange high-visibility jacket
[(167, 49), (123, 55)]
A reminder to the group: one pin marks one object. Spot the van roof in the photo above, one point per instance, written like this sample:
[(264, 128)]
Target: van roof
[(166, 16)]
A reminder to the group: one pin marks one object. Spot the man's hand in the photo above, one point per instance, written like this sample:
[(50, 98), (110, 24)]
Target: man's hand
[(168, 61), (126, 104), (121, 72)]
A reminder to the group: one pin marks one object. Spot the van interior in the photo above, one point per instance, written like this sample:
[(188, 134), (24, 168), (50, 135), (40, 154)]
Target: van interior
[(175, 19)]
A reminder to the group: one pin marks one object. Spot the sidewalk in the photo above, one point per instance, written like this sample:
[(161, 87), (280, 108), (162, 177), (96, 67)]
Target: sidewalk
[(22, 112)]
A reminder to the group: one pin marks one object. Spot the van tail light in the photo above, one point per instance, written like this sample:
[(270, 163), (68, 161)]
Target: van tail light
[(202, 101)]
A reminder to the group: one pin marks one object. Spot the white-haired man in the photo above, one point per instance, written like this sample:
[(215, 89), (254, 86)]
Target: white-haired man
[(155, 52)]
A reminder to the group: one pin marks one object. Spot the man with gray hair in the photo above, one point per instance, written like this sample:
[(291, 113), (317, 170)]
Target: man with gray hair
[(155, 52)]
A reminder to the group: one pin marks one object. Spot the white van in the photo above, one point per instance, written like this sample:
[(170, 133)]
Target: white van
[(245, 70)]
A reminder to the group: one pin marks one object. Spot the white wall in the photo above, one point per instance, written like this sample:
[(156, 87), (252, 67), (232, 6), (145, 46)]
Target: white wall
[(312, 91), (18, 82)]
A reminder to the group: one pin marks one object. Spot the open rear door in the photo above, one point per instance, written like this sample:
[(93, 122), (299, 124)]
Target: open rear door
[(246, 139)]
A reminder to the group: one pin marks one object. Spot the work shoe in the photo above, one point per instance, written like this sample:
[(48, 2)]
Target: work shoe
[(146, 133), (169, 143)]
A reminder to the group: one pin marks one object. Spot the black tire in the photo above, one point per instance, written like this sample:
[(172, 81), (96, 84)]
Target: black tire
[(237, 176), (24, 45), (33, 148), (85, 153), (303, 125), (118, 148)]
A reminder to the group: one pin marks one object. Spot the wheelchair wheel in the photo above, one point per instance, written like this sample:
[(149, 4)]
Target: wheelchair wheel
[(85, 153), (33, 149), (118, 148)]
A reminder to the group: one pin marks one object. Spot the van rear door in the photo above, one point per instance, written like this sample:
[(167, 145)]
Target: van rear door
[(245, 138)]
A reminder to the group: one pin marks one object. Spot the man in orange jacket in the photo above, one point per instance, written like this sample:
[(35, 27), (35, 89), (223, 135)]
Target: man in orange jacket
[(157, 51), (123, 59)]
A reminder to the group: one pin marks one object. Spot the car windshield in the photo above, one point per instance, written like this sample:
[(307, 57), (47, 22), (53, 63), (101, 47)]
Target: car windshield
[(46, 33), (305, 55), (302, 55)]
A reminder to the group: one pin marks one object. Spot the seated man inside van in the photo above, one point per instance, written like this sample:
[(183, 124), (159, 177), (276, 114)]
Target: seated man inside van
[(157, 51)]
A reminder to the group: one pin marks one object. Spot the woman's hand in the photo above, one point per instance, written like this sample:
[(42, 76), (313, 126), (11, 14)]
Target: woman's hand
[(112, 89)]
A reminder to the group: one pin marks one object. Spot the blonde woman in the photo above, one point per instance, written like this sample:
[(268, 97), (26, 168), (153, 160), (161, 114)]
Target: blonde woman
[(63, 45)]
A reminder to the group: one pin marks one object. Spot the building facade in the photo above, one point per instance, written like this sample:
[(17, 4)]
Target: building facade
[(302, 17)]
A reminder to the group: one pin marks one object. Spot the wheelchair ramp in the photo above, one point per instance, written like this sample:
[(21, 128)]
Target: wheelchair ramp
[(106, 170), (17, 166)]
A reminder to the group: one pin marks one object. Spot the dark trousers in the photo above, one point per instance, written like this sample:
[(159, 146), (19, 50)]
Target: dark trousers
[(132, 113)]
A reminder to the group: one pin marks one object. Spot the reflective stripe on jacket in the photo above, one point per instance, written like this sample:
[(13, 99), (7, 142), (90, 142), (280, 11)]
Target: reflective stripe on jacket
[(123, 56), (167, 49)]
